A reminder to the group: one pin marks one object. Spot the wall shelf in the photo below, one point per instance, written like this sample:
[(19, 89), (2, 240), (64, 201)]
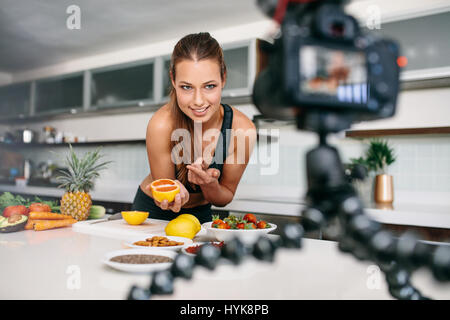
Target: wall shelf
[(396, 132), (269, 139), (56, 145)]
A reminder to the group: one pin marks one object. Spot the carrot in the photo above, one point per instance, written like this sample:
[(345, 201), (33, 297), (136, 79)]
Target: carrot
[(36, 215), (29, 225), (31, 222), (51, 224)]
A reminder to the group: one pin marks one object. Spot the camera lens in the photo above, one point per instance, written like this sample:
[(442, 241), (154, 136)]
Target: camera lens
[(337, 29)]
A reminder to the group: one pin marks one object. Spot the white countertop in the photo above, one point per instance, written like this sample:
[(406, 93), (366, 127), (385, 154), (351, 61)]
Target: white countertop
[(64, 264), (434, 216), (402, 213)]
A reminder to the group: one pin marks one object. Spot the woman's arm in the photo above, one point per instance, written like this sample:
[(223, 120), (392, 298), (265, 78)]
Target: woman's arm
[(208, 181), (220, 191), (217, 194), (158, 134), (158, 147)]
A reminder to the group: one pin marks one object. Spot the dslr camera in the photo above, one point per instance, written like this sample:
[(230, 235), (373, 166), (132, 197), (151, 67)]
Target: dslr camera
[(323, 70)]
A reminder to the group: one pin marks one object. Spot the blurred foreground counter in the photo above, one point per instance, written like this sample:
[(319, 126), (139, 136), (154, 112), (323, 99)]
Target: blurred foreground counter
[(65, 264)]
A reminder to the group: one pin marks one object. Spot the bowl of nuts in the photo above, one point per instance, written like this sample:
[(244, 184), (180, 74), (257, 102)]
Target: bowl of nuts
[(158, 242)]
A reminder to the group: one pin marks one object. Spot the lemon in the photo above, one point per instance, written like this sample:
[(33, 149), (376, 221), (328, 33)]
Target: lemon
[(193, 218), (134, 217), (181, 227)]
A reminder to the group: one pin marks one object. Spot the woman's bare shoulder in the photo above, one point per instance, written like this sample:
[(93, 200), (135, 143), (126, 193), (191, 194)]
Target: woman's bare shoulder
[(241, 121), (161, 121)]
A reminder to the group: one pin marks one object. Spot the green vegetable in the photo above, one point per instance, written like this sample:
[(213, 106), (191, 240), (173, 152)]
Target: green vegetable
[(8, 199), (54, 205), (96, 212)]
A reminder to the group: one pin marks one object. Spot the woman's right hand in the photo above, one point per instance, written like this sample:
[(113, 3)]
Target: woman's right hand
[(180, 200)]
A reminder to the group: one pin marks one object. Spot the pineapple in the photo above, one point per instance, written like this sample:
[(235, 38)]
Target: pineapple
[(78, 181)]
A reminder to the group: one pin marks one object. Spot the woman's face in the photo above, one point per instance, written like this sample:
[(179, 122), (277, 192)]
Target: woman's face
[(198, 86)]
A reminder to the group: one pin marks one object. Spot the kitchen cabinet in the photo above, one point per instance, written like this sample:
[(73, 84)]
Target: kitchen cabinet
[(15, 100), (415, 109), (56, 95), (422, 106), (123, 86), (240, 59), (424, 41), (166, 82)]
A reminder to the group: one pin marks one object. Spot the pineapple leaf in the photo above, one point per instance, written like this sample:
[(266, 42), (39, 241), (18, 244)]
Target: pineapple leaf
[(81, 172)]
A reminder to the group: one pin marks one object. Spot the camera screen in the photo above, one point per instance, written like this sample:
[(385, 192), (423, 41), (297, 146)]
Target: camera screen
[(337, 74)]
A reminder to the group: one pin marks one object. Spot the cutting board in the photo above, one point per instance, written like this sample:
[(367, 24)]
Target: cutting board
[(120, 229)]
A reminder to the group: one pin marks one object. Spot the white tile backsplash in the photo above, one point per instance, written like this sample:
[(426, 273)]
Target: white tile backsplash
[(422, 162)]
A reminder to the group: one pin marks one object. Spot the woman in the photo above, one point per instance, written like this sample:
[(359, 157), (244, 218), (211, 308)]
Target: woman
[(209, 161)]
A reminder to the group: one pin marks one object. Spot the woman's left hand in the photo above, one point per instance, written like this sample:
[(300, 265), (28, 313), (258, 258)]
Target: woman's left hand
[(199, 173)]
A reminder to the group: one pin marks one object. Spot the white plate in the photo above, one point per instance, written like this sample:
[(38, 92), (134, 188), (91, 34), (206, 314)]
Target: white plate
[(247, 236), (129, 267), (186, 241), (195, 244)]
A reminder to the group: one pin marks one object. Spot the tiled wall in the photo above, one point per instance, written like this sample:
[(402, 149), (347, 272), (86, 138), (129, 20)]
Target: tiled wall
[(423, 162), (129, 162)]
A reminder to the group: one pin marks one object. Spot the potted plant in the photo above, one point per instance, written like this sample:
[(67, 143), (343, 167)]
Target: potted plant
[(378, 157)]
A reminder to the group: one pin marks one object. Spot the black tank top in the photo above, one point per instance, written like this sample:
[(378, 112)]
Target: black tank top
[(221, 152)]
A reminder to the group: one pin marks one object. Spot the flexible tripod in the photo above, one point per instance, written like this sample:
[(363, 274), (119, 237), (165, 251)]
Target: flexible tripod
[(329, 197)]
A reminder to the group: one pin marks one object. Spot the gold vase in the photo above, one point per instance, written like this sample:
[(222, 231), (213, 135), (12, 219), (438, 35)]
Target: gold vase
[(384, 188)]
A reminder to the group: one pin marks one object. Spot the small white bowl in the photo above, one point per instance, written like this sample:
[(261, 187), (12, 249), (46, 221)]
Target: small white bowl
[(195, 244), (247, 236), (128, 267)]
